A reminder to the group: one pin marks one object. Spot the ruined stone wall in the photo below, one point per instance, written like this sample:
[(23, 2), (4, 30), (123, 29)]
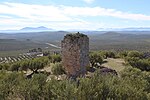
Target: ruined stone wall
[(75, 54)]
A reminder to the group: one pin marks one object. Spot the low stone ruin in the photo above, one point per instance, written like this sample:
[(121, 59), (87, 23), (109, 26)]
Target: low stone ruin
[(105, 71)]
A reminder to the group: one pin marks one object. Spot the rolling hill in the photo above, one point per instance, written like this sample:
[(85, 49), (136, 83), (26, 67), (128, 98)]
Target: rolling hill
[(98, 40)]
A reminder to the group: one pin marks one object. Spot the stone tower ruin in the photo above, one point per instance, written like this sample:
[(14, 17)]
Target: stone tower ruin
[(75, 54)]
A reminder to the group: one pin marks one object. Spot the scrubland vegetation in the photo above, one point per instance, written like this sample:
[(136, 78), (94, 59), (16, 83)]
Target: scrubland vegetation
[(132, 81), (116, 72)]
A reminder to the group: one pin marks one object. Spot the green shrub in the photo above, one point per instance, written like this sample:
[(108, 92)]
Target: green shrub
[(55, 58), (1, 66), (142, 64), (57, 69), (131, 84), (134, 54), (14, 66), (123, 54), (95, 59)]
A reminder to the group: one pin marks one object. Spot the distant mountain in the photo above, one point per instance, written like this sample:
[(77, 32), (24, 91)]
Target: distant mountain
[(137, 29), (111, 34), (41, 28), (28, 29), (125, 29)]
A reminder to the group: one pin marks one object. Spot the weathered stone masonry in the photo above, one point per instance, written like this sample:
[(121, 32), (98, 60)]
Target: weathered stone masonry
[(75, 54)]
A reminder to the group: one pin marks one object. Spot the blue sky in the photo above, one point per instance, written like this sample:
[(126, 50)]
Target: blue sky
[(74, 14)]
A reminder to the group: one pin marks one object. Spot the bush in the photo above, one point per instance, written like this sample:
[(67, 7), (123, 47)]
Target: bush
[(95, 59), (106, 54), (57, 69), (1, 66), (55, 58), (14, 66), (123, 54), (111, 54), (134, 54), (6, 66), (142, 64), (132, 84), (24, 65)]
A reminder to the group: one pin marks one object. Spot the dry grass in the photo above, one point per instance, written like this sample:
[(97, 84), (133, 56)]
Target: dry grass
[(116, 64)]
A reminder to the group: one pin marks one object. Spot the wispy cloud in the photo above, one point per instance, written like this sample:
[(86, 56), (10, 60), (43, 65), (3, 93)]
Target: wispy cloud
[(35, 12), (98, 11), (88, 1), (61, 16)]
